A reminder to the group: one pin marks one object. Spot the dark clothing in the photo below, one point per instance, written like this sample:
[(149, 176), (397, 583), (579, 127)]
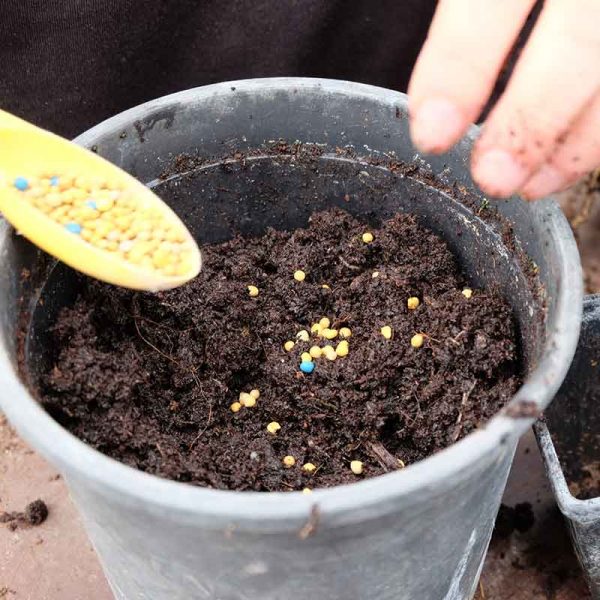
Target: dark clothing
[(67, 64)]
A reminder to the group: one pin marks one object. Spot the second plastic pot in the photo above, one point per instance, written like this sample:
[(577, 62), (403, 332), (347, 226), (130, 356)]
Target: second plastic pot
[(420, 533), (569, 440)]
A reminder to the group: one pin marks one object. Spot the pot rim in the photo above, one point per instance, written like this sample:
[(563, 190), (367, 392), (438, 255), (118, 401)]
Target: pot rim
[(343, 504)]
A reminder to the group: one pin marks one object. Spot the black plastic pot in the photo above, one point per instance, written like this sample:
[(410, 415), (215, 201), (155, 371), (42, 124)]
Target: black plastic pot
[(569, 439), (416, 534)]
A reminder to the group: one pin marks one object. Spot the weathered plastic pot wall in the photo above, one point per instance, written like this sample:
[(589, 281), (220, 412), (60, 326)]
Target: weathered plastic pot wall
[(420, 533), (572, 433)]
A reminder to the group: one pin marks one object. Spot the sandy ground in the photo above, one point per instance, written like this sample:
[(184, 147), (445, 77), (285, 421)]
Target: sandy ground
[(55, 560)]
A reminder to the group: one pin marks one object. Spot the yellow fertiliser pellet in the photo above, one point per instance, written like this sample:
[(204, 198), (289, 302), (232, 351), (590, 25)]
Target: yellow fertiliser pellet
[(401, 464), (137, 253), (253, 291), (273, 427), (158, 234), (367, 237), (342, 348), (325, 287), (386, 332), (467, 292), (413, 303), (299, 275), (417, 340), (324, 323), (174, 236), (255, 394), (330, 334), (306, 357), (303, 335), (309, 468), (356, 467), (315, 328), (53, 199), (35, 192), (235, 407), (247, 400), (306, 491), (329, 352), (289, 346), (160, 259), (288, 461), (345, 332), (315, 352)]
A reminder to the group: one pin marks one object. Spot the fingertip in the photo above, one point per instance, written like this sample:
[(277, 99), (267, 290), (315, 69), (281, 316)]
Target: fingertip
[(436, 125), (547, 180), (498, 173)]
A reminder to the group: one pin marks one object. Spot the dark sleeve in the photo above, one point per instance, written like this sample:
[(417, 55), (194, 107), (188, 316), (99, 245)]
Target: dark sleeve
[(67, 64)]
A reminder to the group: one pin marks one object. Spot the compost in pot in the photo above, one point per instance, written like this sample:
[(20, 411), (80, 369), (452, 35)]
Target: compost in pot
[(211, 384)]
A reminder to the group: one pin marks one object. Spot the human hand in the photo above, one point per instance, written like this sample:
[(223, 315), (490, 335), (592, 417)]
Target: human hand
[(544, 132)]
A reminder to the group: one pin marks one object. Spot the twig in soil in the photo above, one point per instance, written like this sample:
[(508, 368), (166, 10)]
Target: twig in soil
[(205, 428), (426, 335), (410, 420), (387, 460), (161, 325), (457, 337), (151, 344), (418, 403), (360, 443), (311, 525), (167, 356), (325, 404), (465, 398), (347, 264), (341, 320)]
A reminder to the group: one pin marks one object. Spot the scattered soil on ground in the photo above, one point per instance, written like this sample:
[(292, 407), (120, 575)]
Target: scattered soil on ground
[(35, 513), (149, 379)]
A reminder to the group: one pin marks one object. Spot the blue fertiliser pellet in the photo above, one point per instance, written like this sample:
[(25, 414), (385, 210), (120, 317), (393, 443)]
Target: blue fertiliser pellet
[(73, 227), (54, 181), (21, 184), (307, 366), (91, 204)]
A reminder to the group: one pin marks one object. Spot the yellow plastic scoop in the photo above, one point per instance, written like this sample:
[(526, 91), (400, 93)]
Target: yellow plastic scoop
[(90, 214)]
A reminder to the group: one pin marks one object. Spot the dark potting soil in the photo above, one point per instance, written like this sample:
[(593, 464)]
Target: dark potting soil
[(35, 513), (149, 378)]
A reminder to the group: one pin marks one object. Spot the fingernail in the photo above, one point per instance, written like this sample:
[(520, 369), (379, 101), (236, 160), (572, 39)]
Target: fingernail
[(436, 125), (547, 180), (498, 173)]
